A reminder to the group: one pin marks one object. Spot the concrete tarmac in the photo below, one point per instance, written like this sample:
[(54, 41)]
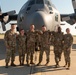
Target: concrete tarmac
[(36, 70)]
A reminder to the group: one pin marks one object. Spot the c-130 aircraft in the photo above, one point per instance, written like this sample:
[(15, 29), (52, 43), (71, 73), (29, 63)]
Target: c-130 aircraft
[(39, 12)]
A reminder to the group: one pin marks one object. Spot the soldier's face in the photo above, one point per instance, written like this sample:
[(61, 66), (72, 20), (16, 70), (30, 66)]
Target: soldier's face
[(13, 26), (32, 27), (68, 30), (43, 28), (22, 32)]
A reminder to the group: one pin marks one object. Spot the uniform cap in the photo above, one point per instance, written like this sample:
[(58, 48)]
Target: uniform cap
[(13, 23)]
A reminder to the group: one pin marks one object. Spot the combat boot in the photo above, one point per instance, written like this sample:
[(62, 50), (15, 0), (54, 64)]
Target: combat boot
[(65, 64), (12, 64), (38, 64), (31, 62), (6, 65), (22, 63), (57, 65), (46, 64), (68, 68), (27, 63)]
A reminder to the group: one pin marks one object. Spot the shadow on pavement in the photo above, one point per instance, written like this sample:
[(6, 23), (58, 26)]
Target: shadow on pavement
[(20, 70), (37, 69)]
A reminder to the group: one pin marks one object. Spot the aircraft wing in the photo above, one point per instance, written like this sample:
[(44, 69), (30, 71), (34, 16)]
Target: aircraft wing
[(69, 18)]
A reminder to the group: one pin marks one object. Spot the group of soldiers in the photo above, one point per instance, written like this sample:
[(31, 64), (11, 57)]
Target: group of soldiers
[(30, 41)]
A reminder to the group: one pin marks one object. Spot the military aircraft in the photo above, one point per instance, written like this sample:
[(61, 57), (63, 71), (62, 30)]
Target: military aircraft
[(41, 12)]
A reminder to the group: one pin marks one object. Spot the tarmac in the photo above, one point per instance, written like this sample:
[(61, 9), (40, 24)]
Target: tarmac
[(37, 70)]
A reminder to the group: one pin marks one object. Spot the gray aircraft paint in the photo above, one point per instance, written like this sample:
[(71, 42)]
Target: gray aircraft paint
[(38, 14)]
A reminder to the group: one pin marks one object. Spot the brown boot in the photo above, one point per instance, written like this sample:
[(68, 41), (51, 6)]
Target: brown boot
[(46, 64), (31, 62), (38, 64), (12, 64), (6, 65)]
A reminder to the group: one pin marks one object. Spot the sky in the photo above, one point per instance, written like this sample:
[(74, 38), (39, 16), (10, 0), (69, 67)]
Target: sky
[(63, 6)]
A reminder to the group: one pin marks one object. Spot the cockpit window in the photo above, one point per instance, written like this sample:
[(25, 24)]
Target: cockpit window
[(28, 8), (31, 2), (47, 2), (39, 1)]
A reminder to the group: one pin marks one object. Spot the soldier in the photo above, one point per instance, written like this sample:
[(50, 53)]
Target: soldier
[(68, 41), (45, 46), (21, 38), (30, 44), (10, 42), (37, 40), (58, 44)]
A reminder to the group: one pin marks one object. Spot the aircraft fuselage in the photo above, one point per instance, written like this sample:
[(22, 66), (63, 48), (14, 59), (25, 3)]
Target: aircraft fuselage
[(38, 14)]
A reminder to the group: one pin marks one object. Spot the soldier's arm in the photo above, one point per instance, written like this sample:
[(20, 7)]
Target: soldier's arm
[(71, 40), (6, 38)]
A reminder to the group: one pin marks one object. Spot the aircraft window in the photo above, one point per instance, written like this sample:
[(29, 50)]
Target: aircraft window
[(21, 17), (50, 8), (31, 2), (56, 17), (39, 1), (48, 3), (28, 8)]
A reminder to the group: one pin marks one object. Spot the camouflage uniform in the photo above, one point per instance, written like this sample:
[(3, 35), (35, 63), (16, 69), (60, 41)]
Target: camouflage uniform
[(22, 48), (10, 40), (30, 46), (37, 40), (45, 46), (58, 44), (68, 40)]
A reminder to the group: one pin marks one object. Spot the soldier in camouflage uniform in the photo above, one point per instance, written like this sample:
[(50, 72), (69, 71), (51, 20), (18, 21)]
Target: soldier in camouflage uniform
[(10, 42), (68, 41), (21, 38), (45, 45), (30, 44), (37, 40), (58, 44)]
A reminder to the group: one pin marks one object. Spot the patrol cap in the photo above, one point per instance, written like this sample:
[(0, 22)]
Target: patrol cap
[(13, 23)]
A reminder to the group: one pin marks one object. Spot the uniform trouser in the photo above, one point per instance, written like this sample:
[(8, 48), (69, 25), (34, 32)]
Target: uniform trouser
[(47, 51), (21, 56), (57, 56), (30, 54), (67, 57), (10, 53)]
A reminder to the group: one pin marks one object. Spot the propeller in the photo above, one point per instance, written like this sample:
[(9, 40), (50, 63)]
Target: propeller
[(4, 18)]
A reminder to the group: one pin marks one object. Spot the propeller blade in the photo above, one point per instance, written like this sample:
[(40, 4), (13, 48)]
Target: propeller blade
[(9, 13), (3, 26), (74, 5)]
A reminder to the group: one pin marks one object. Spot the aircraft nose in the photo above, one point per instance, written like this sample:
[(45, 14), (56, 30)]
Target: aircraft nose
[(39, 19)]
